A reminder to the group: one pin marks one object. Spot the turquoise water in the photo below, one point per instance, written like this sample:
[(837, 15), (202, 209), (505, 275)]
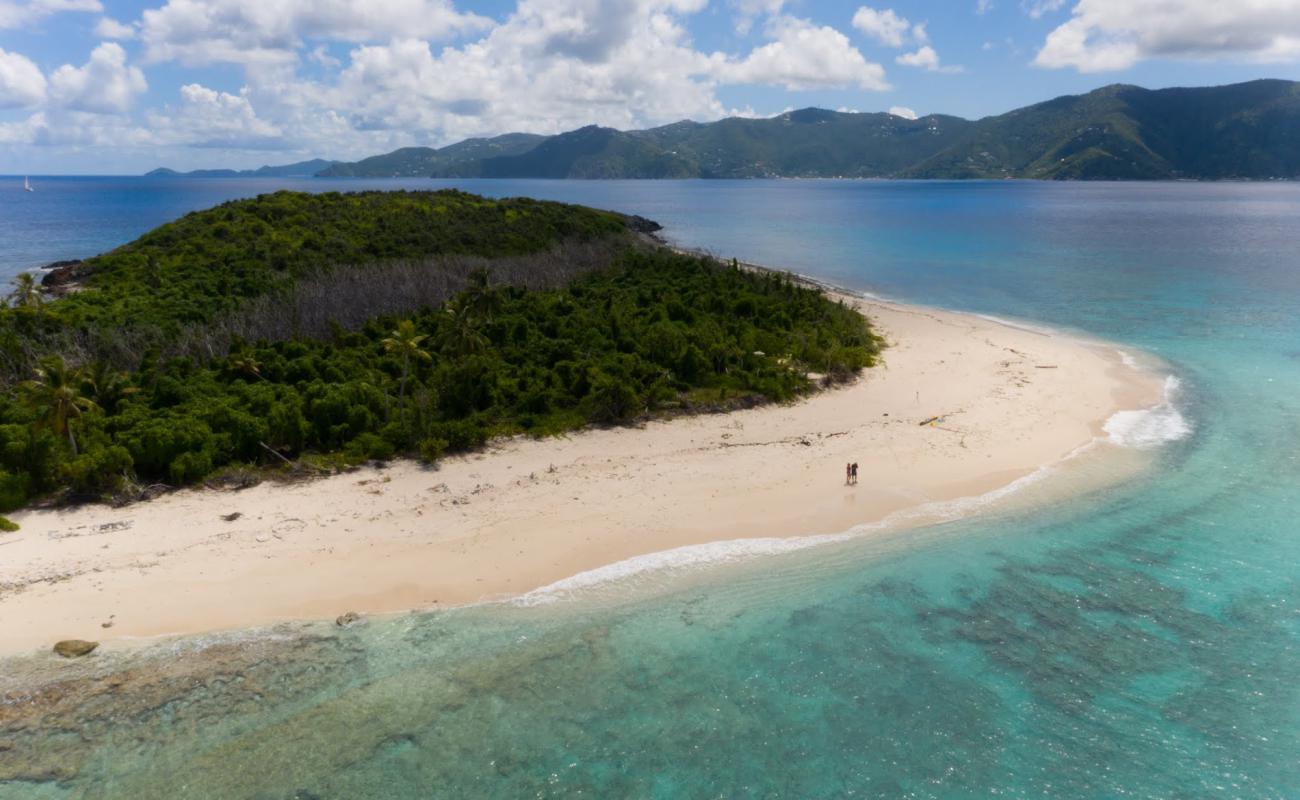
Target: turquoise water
[(1141, 642)]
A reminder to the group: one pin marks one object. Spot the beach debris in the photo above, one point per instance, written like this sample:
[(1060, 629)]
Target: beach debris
[(1044, 366), (290, 525), (275, 453), (232, 516), (108, 624), (75, 648), (346, 619), (931, 421)]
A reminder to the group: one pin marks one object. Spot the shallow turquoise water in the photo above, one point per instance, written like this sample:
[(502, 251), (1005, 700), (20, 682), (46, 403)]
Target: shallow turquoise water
[(1140, 642)]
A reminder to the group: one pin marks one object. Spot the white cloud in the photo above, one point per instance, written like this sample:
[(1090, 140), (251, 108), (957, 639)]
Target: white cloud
[(749, 10), (270, 31), (104, 85), (1039, 8), (983, 6), (806, 56), (21, 81), (884, 26), (926, 58), (1106, 35), (17, 14), (320, 55), (109, 28), (549, 66), (208, 118), (902, 111)]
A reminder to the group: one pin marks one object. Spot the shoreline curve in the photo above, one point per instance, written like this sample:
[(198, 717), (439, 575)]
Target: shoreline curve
[(526, 516)]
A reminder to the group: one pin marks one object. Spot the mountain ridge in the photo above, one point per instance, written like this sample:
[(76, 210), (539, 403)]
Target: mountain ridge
[(1243, 131)]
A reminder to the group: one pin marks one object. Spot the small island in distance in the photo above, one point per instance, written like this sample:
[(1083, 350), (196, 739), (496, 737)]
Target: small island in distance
[(1245, 131)]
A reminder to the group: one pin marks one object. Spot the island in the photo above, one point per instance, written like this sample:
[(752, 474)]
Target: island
[(295, 406), (1116, 132)]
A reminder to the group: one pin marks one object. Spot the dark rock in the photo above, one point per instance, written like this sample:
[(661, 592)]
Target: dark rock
[(232, 516), (350, 618), (65, 273), (75, 648), (640, 224)]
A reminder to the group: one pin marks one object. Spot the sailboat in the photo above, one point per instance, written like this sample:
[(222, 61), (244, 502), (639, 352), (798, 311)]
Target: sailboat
[(28, 185)]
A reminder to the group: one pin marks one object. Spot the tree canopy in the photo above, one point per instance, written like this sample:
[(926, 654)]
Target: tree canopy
[(639, 330)]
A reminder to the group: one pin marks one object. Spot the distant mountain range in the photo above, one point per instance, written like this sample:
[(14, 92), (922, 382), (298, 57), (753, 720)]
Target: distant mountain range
[(302, 169), (1247, 131)]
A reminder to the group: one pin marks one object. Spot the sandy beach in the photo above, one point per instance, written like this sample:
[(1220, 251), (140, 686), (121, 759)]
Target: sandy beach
[(525, 513)]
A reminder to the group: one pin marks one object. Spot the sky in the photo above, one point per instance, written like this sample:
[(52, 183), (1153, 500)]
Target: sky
[(122, 86)]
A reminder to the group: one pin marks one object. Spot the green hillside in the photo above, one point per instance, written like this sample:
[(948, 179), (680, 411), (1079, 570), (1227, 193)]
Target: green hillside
[(300, 333), (1247, 131), (418, 162), (590, 152)]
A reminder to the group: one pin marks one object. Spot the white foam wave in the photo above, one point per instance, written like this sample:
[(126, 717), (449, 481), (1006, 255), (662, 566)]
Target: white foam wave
[(1150, 427), (695, 555), (1127, 359), (735, 550), (1020, 326)]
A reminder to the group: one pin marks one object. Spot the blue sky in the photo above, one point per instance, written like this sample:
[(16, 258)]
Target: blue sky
[(111, 86)]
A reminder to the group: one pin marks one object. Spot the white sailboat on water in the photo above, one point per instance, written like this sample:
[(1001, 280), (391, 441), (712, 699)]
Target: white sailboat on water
[(27, 185)]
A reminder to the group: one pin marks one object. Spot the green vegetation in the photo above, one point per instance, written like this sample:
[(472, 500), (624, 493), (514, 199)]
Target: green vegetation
[(806, 143), (1246, 130), (7, 525), (421, 162), (506, 326), (211, 261), (300, 169)]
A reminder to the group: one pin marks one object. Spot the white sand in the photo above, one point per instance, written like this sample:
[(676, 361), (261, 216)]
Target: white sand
[(528, 513)]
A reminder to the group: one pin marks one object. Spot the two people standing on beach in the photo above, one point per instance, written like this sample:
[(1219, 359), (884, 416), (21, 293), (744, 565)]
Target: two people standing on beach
[(851, 473)]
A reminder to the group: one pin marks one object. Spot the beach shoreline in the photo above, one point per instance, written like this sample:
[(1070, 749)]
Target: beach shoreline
[(1007, 401)]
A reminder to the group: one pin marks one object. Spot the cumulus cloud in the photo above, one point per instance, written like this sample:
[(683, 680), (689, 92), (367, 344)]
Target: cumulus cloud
[(209, 118), (902, 111), (18, 14), (249, 31), (548, 66), (806, 56), (21, 81), (884, 26), (104, 85), (926, 58), (109, 28), (749, 10), (890, 29), (1106, 35)]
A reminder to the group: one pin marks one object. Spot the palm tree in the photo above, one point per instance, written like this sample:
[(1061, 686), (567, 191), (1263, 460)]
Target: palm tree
[(107, 386), (246, 363), (465, 336), (405, 341), (55, 394), (480, 297), (26, 292)]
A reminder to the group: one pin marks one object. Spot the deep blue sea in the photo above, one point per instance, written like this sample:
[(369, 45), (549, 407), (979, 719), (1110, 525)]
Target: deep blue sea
[(1140, 642)]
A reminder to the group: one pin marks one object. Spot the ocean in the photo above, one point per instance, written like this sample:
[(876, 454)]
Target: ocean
[(1141, 642)]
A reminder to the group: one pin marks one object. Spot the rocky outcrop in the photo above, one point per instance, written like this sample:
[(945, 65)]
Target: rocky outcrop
[(75, 648), (350, 618), (65, 274), (640, 224)]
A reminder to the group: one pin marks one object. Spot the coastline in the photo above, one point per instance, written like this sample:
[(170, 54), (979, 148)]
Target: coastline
[(525, 514)]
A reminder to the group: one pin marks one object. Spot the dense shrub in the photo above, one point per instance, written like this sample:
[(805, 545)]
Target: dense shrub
[(649, 331)]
